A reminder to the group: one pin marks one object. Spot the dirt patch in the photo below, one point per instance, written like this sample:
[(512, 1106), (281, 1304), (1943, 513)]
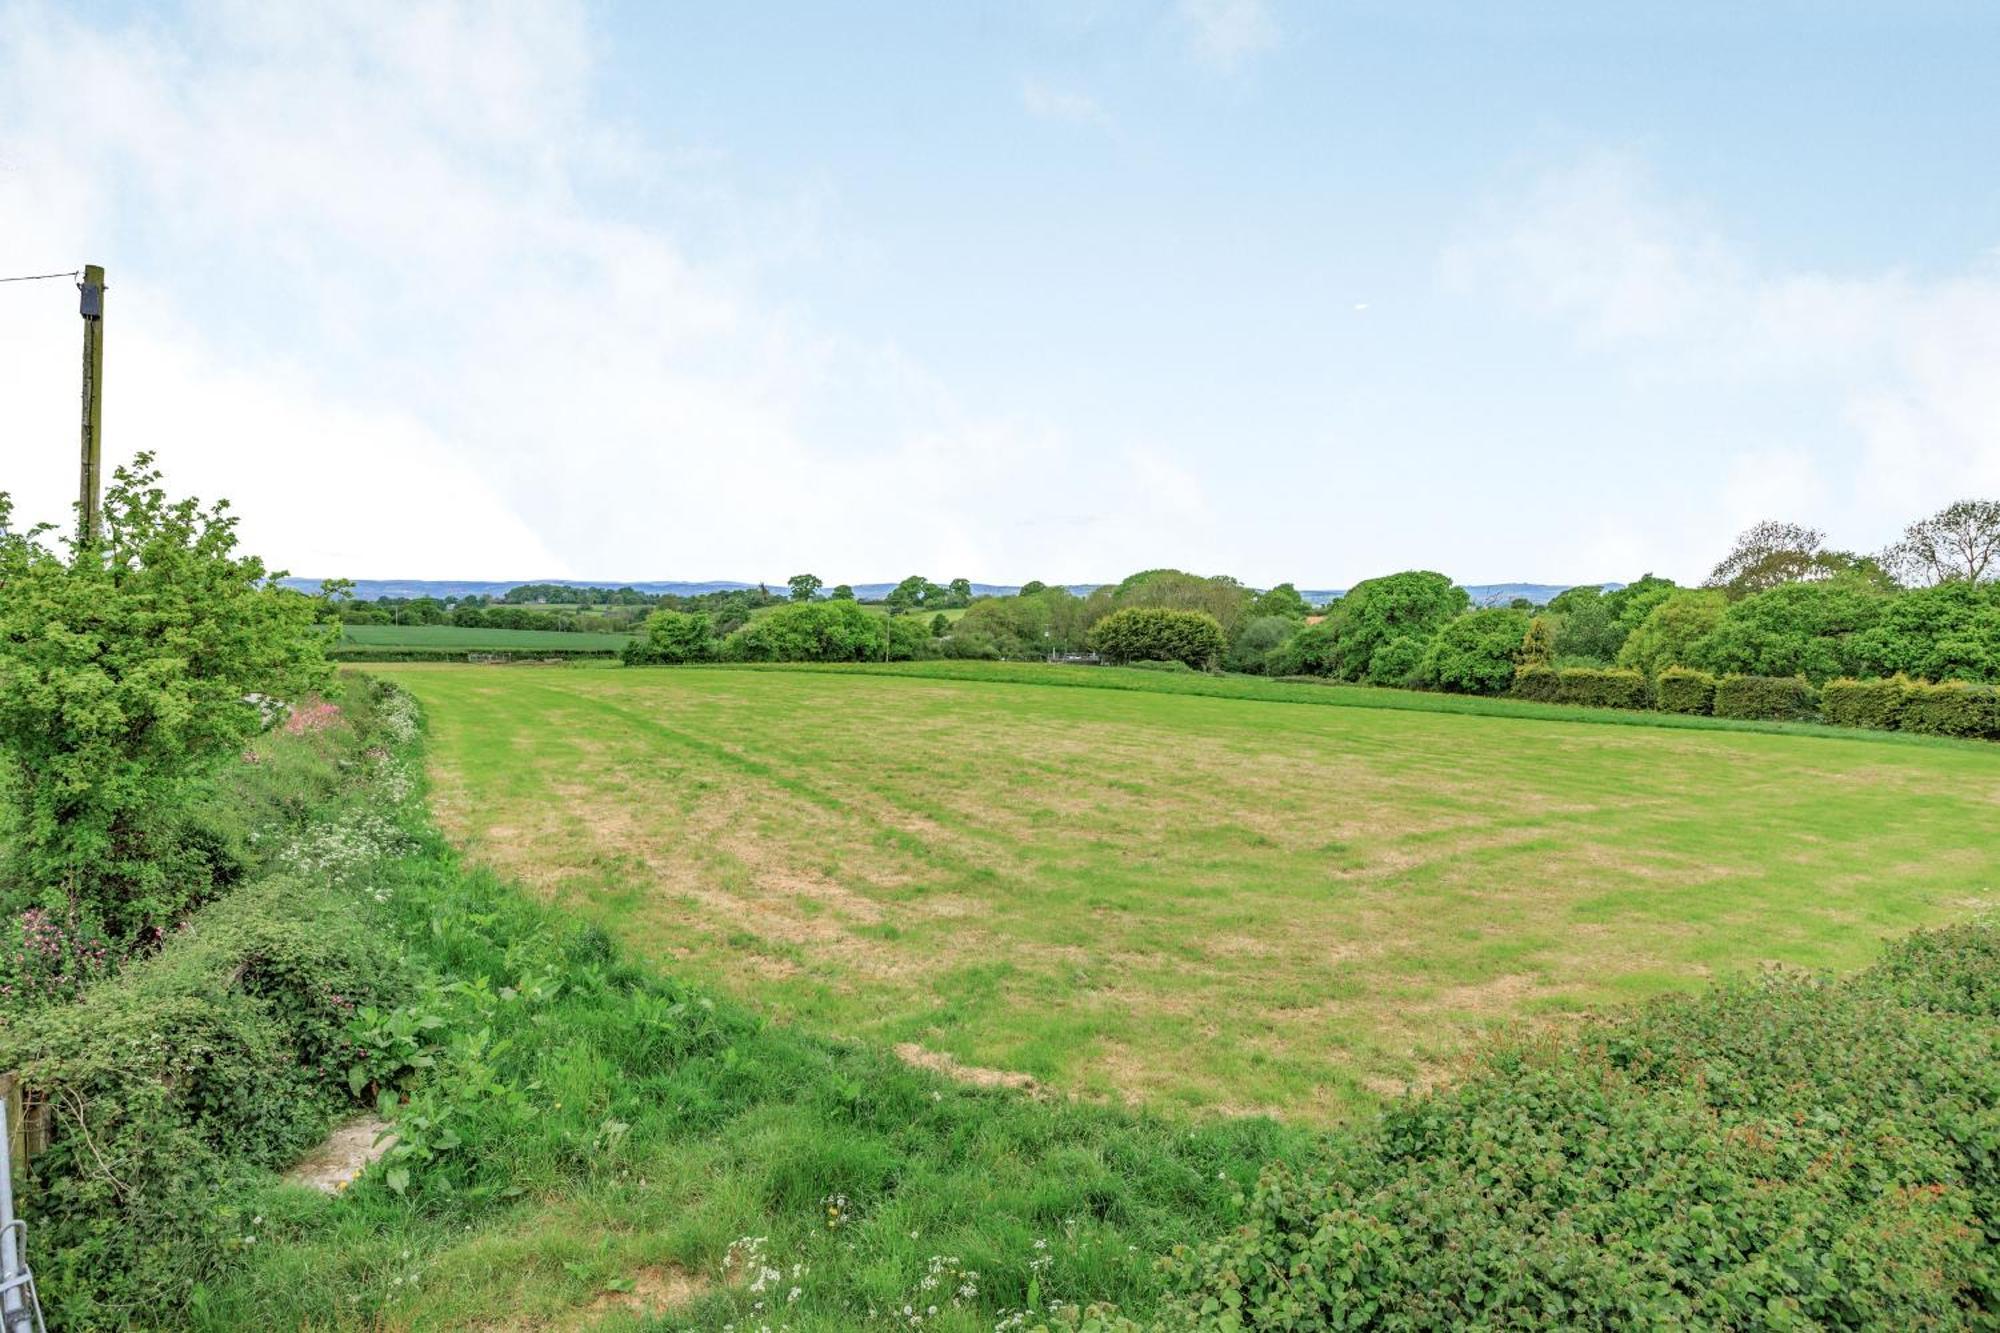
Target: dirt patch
[(351, 1149), (973, 1075), (654, 1291)]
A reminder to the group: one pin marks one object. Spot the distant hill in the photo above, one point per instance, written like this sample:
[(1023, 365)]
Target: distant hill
[(1483, 594)]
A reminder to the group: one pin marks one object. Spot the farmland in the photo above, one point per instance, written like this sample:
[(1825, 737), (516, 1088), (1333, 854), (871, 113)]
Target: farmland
[(391, 642), (1213, 904)]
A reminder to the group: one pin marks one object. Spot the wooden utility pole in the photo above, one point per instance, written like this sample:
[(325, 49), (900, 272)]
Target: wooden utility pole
[(91, 307)]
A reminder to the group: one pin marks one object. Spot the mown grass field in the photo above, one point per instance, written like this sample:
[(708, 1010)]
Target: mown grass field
[(357, 640), (1225, 904)]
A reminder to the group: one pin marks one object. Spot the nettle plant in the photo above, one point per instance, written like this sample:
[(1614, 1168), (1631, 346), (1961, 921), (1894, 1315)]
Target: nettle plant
[(131, 666)]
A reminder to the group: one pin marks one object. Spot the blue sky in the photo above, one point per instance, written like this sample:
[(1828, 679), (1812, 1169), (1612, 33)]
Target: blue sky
[(1035, 290)]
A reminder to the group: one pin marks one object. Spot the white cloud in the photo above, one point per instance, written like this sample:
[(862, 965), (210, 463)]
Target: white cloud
[(1660, 291), (1046, 102), (379, 274), (1226, 34)]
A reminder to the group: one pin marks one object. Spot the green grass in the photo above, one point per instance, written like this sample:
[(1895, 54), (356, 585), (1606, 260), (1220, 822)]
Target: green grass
[(1165, 889), (368, 640)]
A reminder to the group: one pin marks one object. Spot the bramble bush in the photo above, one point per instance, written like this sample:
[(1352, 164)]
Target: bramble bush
[(1786, 1152), (129, 672)]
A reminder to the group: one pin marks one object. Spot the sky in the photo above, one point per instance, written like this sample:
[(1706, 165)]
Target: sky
[(1284, 290)]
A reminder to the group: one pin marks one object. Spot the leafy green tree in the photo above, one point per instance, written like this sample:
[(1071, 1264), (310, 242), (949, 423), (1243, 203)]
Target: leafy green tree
[(128, 674), (908, 639), (816, 631), (1176, 590), (1033, 586), (1156, 634), (1796, 629), (1394, 617), (1477, 652), (842, 593), (1313, 651), (960, 592), (1948, 631), (804, 587), (673, 637), (940, 625), (1255, 642), (1283, 600), (1668, 634), (907, 595)]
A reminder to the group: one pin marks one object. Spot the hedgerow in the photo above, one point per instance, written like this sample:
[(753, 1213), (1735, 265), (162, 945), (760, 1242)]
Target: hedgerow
[(1685, 690), (1614, 688), (1951, 708), (1766, 698), (1865, 703), (1782, 1152)]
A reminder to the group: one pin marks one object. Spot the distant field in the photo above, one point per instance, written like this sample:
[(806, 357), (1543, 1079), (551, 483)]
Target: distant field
[(446, 640), (1219, 903)]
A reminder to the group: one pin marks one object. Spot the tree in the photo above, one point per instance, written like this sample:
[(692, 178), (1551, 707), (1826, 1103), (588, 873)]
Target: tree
[(1283, 600), (673, 637), (940, 625), (1796, 629), (842, 593), (1477, 652), (1538, 645), (804, 587), (1960, 541), (1176, 590), (1668, 634), (1033, 586), (961, 592), (128, 674), (1377, 613), (1772, 553), (1156, 634), (1255, 642), (907, 595), (816, 631)]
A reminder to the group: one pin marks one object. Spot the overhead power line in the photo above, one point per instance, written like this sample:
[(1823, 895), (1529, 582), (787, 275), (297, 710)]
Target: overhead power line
[(37, 277)]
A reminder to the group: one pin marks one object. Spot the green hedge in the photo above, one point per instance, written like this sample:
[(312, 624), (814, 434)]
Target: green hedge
[(1534, 681), (1780, 1153), (1766, 698), (1952, 708), (1865, 703), (1686, 690), (1601, 688)]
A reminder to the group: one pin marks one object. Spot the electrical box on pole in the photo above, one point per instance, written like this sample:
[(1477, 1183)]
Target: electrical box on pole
[(91, 307)]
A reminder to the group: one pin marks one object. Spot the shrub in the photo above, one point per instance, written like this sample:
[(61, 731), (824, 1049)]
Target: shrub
[(1313, 651), (1532, 680), (1476, 653), (817, 631), (1865, 703), (1257, 640), (1611, 688), (1153, 634), (1952, 708), (129, 673), (1685, 690), (1785, 1152), (1400, 661), (1670, 630), (1768, 698), (1815, 630), (673, 637)]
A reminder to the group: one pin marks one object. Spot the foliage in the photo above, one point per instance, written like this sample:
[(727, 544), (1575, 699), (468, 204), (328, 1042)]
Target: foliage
[(1599, 688), (1538, 645), (1141, 634), (1952, 708), (1391, 619), (1283, 600), (1670, 630), (1815, 630), (1534, 681), (1947, 632), (1771, 554), (671, 638), (1865, 703), (1959, 542), (1477, 652), (1257, 640), (1685, 690), (1769, 698), (816, 631), (1221, 597), (1787, 1152), (128, 673), (842, 593), (804, 587), (1313, 651)]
